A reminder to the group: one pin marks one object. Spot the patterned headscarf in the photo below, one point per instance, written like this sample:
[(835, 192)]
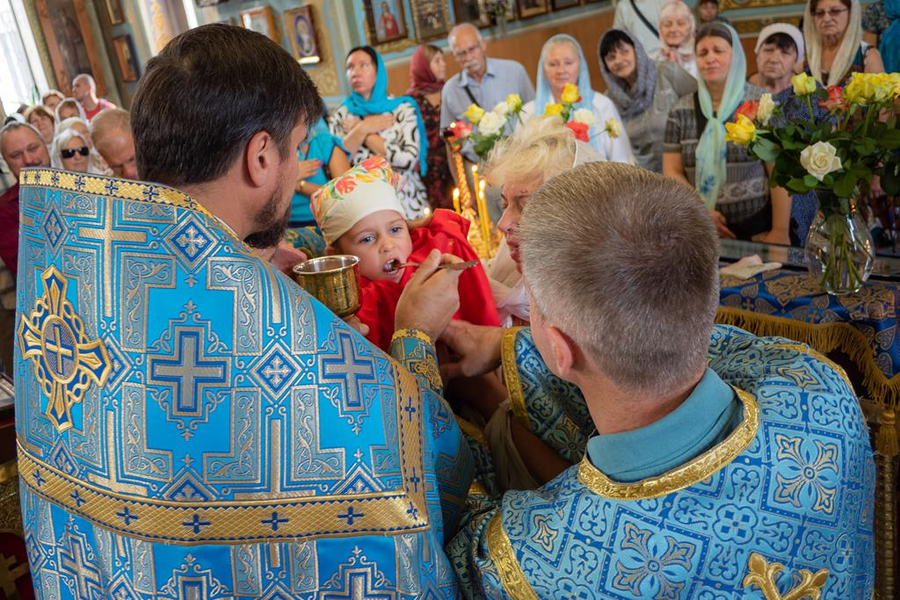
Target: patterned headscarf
[(544, 95), (630, 103), (367, 188), (843, 60), (712, 149), (421, 78)]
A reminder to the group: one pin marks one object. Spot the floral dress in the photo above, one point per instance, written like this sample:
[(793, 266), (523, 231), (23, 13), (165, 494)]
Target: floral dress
[(438, 181), (401, 145)]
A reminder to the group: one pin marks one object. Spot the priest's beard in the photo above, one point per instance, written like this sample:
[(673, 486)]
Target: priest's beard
[(271, 225)]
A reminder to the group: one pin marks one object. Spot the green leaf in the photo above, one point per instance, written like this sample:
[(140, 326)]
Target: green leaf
[(890, 139), (845, 186), (810, 181), (797, 185), (765, 150)]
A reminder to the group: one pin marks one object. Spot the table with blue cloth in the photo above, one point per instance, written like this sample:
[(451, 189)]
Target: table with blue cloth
[(858, 331)]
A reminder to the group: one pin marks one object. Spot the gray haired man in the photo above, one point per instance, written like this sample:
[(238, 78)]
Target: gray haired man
[(695, 449)]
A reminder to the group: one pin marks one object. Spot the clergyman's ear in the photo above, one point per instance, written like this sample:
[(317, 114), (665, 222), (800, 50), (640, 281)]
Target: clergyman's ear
[(565, 352)]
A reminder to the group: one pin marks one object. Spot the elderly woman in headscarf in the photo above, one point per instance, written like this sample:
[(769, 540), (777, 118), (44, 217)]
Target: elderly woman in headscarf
[(834, 46), (427, 71), (733, 184), (71, 150), (562, 62), (68, 108), (643, 91), (372, 123), (676, 36)]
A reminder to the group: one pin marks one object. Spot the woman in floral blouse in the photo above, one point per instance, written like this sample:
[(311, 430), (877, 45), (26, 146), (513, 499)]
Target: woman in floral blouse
[(427, 69), (370, 123)]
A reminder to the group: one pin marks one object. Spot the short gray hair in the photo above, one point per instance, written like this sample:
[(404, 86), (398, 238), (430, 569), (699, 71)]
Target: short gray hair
[(13, 125), (452, 36), (108, 120), (625, 262)]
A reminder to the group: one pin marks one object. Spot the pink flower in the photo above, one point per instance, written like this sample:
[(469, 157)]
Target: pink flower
[(346, 185)]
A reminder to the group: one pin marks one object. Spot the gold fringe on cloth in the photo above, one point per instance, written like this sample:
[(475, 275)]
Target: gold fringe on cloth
[(825, 338)]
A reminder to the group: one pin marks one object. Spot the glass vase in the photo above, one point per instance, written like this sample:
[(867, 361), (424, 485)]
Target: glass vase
[(839, 248)]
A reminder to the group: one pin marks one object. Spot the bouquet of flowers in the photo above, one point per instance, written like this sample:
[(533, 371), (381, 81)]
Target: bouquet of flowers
[(836, 157), (491, 125), (579, 120)]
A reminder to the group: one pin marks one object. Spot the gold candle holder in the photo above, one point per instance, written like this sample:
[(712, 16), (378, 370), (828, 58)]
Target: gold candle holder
[(333, 280)]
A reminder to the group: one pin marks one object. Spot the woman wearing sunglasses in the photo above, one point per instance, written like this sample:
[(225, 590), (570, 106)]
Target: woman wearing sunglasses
[(834, 46), (70, 151)]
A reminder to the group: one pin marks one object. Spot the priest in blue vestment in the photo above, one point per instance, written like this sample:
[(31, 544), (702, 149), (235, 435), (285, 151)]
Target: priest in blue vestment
[(684, 460), (191, 423)]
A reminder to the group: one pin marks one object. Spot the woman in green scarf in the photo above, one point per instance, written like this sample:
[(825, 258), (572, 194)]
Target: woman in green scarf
[(733, 184)]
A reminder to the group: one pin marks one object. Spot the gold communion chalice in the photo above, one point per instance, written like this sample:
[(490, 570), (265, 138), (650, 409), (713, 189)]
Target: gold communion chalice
[(333, 281)]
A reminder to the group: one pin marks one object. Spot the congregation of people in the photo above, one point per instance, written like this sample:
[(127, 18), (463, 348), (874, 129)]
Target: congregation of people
[(574, 435)]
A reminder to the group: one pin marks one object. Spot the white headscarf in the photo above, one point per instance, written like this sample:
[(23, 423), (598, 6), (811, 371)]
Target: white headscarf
[(846, 52), (681, 55)]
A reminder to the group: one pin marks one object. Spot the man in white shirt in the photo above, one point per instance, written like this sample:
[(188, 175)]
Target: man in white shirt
[(640, 18)]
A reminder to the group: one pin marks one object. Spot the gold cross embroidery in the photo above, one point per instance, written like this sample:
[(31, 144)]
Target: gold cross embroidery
[(763, 574), (65, 360)]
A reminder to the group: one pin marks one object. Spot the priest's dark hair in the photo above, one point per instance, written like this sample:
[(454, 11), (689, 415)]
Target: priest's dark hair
[(207, 93)]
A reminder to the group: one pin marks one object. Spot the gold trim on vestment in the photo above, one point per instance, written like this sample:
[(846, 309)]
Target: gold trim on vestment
[(412, 332), (228, 522), (511, 376), (688, 474), (472, 430), (804, 349), (515, 584)]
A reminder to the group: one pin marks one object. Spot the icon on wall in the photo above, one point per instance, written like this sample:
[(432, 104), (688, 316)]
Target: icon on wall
[(386, 22), (261, 20), (300, 26), (430, 18), (127, 59)]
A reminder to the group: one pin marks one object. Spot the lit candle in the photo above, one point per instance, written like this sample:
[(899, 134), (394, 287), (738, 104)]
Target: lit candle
[(456, 199), (483, 218)]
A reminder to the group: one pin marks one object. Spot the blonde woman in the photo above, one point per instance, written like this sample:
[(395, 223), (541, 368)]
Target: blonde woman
[(676, 36), (539, 150)]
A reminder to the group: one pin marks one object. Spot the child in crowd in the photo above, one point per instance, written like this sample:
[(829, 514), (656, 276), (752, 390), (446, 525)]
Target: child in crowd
[(359, 213)]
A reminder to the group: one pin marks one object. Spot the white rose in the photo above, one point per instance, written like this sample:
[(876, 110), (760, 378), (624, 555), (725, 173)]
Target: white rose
[(765, 109), (612, 127), (820, 159), (501, 108), (584, 115), (491, 123)]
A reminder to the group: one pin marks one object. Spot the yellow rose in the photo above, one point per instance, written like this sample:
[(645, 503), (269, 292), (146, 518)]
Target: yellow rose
[(474, 113), (570, 94), (514, 101), (554, 110), (743, 132), (804, 84)]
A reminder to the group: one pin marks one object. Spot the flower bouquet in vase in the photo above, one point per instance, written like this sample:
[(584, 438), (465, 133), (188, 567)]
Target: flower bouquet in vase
[(836, 157), (580, 120)]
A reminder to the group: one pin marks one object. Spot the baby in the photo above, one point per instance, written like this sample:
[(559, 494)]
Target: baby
[(359, 214)]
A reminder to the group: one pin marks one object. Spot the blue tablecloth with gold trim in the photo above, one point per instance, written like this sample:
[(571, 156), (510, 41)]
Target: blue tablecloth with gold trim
[(863, 326)]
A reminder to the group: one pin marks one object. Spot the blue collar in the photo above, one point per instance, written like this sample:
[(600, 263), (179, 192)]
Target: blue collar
[(706, 417)]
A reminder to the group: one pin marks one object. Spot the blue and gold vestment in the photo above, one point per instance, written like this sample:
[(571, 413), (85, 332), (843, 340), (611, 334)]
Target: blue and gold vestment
[(783, 507), (191, 424)]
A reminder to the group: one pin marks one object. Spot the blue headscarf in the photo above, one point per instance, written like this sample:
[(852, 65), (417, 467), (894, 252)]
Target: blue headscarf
[(543, 96), (889, 46), (379, 103), (712, 151)]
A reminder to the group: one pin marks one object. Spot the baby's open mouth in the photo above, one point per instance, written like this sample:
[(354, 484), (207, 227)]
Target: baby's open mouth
[(392, 266)]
